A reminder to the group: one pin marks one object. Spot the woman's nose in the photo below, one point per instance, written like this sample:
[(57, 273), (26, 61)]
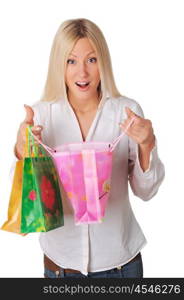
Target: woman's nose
[(83, 69)]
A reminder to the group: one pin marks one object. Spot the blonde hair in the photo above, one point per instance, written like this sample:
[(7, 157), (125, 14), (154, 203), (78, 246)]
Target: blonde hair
[(66, 36)]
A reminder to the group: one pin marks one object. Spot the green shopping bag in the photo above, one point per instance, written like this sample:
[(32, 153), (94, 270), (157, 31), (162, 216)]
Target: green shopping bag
[(36, 204)]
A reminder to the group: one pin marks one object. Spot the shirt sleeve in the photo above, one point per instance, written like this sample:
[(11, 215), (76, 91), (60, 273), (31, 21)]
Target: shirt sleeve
[(144, 184)]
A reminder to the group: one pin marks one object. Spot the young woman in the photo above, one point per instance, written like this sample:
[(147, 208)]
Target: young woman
[(81, 103)]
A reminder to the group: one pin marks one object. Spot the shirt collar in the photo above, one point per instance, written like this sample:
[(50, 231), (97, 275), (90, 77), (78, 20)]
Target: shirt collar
[(100, 105)]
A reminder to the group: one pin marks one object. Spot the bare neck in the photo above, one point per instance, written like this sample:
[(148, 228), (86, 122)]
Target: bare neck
[(83, 105)]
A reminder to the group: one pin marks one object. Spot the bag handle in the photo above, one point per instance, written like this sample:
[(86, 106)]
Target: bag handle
[(32, 149), (91, 183), (116, 141), (111, 146), (29, 146), (47, 148)]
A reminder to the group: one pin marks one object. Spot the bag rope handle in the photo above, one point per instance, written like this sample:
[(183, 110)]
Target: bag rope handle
[(47, 148), (116, 141)]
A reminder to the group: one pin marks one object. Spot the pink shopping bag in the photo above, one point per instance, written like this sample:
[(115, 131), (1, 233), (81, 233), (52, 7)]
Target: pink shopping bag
[(85, 173)]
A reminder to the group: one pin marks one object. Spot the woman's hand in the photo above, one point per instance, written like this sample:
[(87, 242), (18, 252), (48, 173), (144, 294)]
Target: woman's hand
[(141, 131), (21, 137)]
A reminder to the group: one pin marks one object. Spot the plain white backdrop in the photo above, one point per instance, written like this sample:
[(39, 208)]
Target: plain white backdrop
[(145, 39)]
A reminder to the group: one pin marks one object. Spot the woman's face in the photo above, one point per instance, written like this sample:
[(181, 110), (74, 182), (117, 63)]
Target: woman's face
[(82, 74)]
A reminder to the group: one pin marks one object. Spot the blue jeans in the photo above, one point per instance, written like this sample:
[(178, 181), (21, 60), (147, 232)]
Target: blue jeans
[(133, 269)]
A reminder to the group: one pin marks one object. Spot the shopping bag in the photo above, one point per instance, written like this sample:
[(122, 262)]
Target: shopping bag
[(35, 201), (85, 173)]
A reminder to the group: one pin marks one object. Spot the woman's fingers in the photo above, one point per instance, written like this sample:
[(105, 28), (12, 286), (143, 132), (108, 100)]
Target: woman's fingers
[(141, 130), (131, 115), (129, 112), (23, 234), (29, 115), (36, 130), (21, 136)]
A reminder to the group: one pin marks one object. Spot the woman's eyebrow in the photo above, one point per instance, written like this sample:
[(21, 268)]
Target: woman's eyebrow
[(86, 54)]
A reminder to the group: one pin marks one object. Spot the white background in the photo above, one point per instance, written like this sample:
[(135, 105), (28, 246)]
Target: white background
[(145, 39)]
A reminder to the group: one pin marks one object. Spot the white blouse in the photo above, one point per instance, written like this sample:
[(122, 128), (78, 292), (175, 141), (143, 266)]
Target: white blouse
[(118, 239)]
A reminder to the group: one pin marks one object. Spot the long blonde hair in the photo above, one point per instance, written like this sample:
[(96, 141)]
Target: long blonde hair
[(66, 36)]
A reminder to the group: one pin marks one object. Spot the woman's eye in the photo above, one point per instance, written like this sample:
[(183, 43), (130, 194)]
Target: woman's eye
[(92, 59), (70, 61)]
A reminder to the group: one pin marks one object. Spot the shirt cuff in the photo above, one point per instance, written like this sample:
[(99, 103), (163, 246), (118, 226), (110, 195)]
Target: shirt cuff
[(153, 158)]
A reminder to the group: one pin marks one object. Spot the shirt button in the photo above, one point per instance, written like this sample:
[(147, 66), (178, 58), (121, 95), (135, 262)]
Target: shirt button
[(119, 268)]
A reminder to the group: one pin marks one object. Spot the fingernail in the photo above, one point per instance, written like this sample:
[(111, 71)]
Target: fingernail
[(37, 128)]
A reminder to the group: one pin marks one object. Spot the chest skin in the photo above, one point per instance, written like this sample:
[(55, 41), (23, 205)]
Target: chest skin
[(85, 121)]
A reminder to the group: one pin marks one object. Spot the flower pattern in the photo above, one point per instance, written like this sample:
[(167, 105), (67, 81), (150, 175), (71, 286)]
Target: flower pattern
[(47, 192), (106, 186), (32, 195)]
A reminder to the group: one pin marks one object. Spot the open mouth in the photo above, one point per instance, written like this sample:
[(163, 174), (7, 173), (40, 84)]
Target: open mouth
[(83, 84)]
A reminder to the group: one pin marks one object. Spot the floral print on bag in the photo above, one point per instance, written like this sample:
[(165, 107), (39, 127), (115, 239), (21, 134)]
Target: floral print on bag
[(47, 192)]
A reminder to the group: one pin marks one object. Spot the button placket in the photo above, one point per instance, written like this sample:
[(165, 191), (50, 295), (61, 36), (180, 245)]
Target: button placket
[(85, 240)]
